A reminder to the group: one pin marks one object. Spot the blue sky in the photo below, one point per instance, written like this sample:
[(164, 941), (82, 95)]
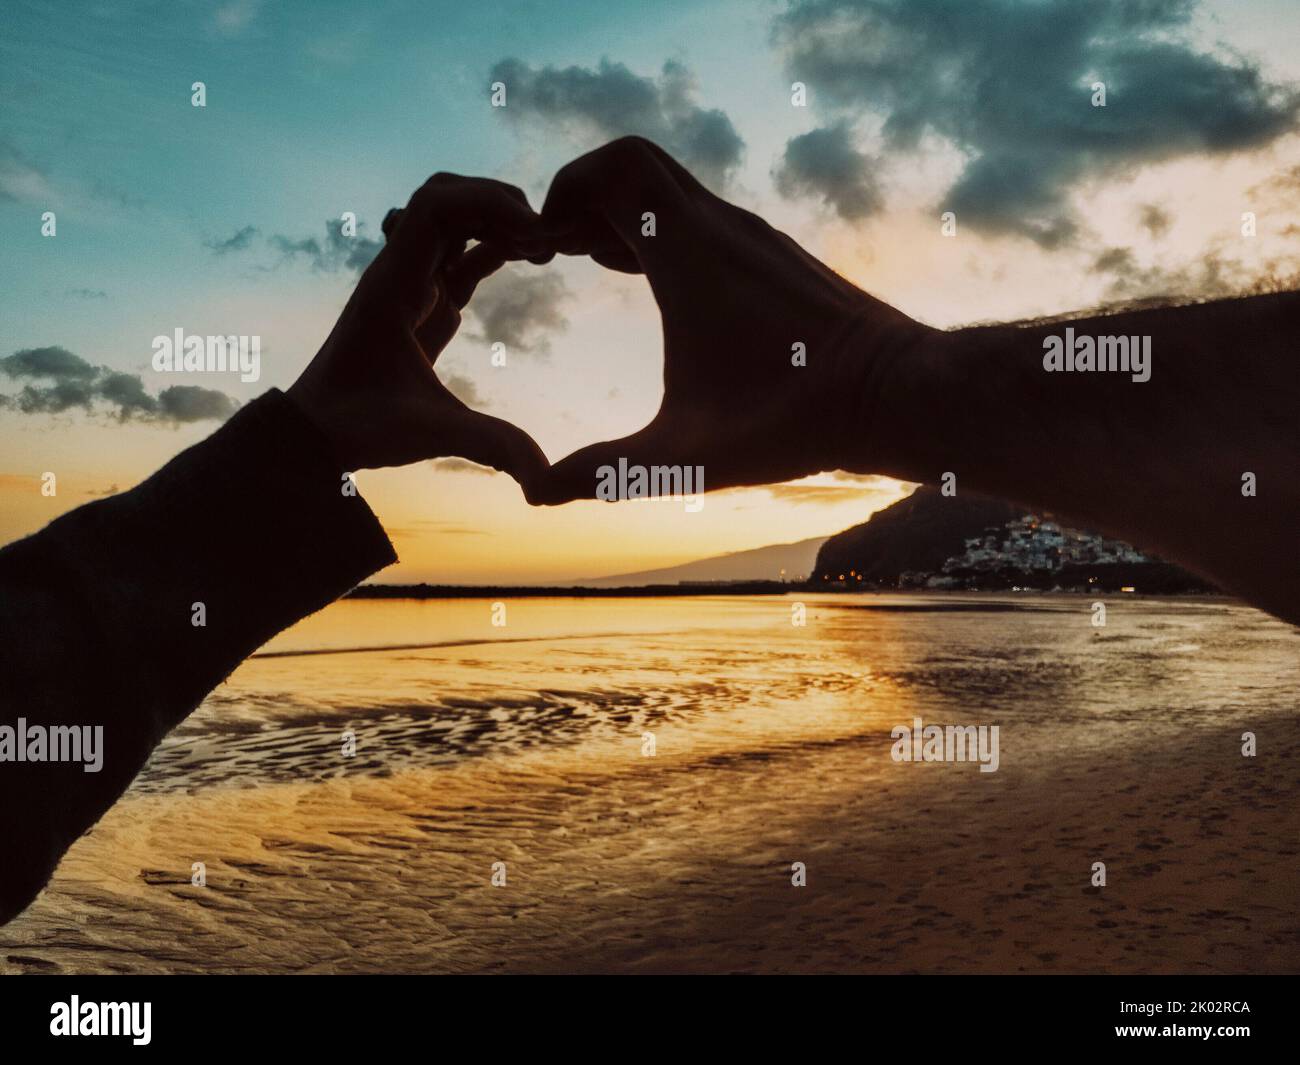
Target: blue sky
[(314, 109)]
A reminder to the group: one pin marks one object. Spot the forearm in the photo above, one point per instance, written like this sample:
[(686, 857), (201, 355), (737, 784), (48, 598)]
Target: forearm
[(230, 542), (1159, 462), (120, 616)]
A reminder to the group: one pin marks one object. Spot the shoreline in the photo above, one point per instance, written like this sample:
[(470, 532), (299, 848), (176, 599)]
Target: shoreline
[(655, 591)]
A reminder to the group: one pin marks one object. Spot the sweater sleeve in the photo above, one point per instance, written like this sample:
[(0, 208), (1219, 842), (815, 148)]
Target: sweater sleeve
[(126, 612)]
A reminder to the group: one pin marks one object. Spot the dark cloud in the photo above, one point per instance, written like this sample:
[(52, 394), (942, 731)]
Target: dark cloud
[(126, 392), (825, 163), (336, 252), (1114, 261), (515, 306), (189, 403), (1007, 82), (1212, 275), (1280, 188), (47, 362), (87, 293), (611, 101), (519, 307), (68, 382), (464, 389), (51, 399), (1155, 220), (239, 241), (328, 255)]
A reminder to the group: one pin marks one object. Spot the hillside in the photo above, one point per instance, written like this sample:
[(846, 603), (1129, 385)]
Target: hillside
[(916, 533), (758, 564)]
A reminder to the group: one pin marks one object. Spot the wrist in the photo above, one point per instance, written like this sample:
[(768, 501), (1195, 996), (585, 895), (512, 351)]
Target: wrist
[(895, 366), (309, 404)]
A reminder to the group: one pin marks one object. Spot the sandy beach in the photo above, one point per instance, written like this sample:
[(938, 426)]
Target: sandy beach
[(766, 754)]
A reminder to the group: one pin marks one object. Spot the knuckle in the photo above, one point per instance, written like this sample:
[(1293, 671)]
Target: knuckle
[(633, 141), (432, 187), (630, 147)]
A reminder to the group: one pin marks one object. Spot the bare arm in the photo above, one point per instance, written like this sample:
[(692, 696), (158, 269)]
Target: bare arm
[(1159, 462), (1162, 463)]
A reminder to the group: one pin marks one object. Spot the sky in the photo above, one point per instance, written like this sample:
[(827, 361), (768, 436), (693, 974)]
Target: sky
[(225, 219)]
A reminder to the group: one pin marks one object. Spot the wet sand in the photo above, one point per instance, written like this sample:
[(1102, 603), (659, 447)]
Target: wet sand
[(681, 862)]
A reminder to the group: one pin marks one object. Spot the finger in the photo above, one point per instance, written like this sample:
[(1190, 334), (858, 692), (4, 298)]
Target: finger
[(438, 327), (621, 205), (687, 181), (582, 474), (472, 208), (463, 276), (431, 232), (497, 443)]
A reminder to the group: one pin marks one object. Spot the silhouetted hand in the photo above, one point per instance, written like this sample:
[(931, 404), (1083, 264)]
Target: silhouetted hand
[(372, 388), (737, 298)]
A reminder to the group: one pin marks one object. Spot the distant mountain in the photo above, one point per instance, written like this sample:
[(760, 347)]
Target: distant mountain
[(917, 533), (758, 564)]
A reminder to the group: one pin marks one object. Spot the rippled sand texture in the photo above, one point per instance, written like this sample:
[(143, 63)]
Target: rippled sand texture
[(523, 745)]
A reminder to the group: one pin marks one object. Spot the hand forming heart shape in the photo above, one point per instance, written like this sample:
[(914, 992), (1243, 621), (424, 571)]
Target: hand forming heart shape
[(767, 353)]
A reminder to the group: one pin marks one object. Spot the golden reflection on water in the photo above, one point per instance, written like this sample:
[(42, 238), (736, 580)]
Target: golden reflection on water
[(526, 744)]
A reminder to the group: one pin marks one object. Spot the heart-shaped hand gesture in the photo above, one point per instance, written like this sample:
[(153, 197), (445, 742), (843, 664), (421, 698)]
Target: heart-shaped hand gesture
[(372, 388), (774, 365)]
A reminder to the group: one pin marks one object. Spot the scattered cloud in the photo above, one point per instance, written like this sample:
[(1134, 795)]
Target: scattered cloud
[(53, 361), (1212, 275), (464, 389), (327, 255), (1155, 220), (517, 306), (1008, 84), (612, 101), (1282, 188), (189, 403), (238, 241), (520, 307), (58, 381), (336, 252), (826, 164)]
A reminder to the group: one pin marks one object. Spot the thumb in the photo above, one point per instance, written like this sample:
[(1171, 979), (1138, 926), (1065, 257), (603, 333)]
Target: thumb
[(621, 205), (580, 475), (497, 443)]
